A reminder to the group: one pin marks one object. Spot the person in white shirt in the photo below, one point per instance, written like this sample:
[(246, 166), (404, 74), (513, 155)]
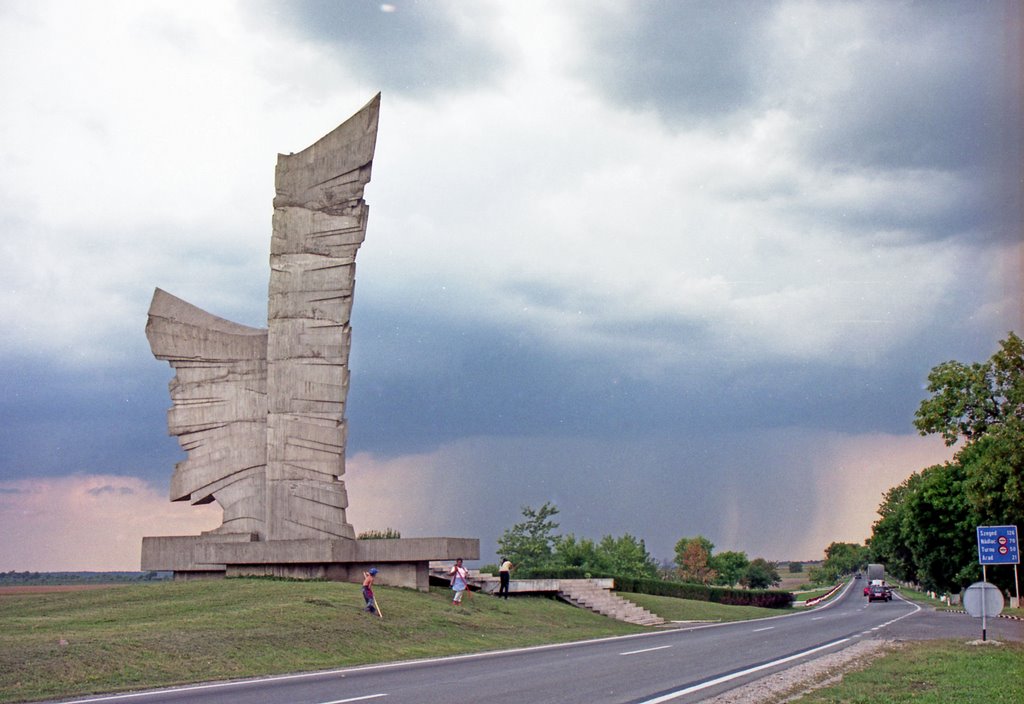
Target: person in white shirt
[(460, 577)]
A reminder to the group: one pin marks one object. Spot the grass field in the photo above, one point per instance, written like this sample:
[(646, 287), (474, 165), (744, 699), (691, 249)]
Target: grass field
[(64, 644), (933, 672), (672, 609), (125, 637)]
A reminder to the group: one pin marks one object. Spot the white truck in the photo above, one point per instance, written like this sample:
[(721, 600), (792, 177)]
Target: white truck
[(877, 589)]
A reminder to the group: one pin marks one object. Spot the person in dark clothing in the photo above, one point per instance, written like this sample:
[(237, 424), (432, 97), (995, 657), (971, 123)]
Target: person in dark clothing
[(505, 574)]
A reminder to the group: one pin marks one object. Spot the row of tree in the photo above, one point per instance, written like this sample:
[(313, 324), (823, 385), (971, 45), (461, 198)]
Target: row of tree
[(696, 561), (926, 532), (533, 546), (840, 559)]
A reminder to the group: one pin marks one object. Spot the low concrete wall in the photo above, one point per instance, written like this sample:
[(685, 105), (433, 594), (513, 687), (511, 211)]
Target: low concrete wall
[(401, 562)]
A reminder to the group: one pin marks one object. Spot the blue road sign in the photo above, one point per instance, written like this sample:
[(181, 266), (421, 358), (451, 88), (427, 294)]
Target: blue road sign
[(997, 545)]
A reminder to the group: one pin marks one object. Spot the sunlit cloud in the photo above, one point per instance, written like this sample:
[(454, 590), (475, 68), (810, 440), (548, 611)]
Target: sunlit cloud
[(89, 522), (676, 268)]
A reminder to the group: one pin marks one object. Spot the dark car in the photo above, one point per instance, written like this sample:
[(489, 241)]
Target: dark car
[(879, 593)]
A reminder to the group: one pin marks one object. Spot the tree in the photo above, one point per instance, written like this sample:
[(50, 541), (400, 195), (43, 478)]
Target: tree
[(730, 567), (968, 400), (994, 474), (582, 553), (760, 574), (939, 527), (927, 530), (692, 555), (983, 404), (845, 558), (628, 557), (529, 544), (682, 543), (618, 557), (888, 542)]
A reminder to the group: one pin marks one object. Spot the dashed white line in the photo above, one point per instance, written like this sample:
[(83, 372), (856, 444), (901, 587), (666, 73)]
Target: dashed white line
[(758, 630), (645, 650), (356, 699)]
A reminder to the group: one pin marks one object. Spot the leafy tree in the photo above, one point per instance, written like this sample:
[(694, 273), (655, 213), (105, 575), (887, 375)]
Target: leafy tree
[(729, 566), (939, 527), (968, 400), (994, 468), (760, 574), (529, 544), (845, 558), (983, 404), (532, 544), (682, 543), (796, 567), (819, 575), (627, 557), (927, 530), (888, 542), (582, 553), (692, 556)]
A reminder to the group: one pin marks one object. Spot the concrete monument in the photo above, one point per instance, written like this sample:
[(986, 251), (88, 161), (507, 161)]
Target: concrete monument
[(261, 412)]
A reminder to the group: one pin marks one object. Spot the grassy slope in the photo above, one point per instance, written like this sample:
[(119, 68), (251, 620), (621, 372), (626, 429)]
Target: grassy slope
[(136, 636), (673, 609)]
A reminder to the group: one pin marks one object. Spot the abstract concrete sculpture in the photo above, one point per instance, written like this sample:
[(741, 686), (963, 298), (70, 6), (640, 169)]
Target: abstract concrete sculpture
[(261, 413)]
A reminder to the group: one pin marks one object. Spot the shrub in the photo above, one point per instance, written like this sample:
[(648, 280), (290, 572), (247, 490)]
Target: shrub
[(386, 534)]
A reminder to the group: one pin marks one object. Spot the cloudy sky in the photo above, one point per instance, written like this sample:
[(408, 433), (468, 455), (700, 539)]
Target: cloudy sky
[(678, 267)]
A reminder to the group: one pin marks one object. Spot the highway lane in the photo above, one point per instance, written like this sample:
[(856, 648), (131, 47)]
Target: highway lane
[(679, 665)]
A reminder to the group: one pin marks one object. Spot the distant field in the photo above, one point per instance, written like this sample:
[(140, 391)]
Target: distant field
[(51, 588)]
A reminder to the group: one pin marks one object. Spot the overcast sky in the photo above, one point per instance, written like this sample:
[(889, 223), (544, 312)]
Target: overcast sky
[(678, 267)]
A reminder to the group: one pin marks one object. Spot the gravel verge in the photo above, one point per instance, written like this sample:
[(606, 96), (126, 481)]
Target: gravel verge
[(793, 683)]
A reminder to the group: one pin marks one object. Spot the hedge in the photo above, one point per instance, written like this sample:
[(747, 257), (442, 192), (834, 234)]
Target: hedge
[(767, 598)]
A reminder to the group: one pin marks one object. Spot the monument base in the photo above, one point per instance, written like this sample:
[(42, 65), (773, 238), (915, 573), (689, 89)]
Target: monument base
[(401, 562)]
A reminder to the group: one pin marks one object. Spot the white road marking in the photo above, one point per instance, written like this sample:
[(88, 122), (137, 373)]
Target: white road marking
[(356, 699), (645, 650), (758, 630), (726, 678)]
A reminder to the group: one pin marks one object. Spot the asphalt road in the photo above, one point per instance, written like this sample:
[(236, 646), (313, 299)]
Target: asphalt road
[(687, 664)]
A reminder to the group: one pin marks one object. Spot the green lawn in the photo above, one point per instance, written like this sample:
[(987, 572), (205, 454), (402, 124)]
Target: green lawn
[(933, 672), (74, 643), (146, 635), (673, 609)]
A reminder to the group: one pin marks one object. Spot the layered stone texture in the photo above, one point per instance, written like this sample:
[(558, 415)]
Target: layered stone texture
[(261, 412), (219, 409), (319, 223)]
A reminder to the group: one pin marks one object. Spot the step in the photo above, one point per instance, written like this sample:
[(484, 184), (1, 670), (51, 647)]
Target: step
[(602, 601)]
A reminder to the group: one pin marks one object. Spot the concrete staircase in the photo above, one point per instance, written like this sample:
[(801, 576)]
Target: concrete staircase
[(587, 594), (592, 594)]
